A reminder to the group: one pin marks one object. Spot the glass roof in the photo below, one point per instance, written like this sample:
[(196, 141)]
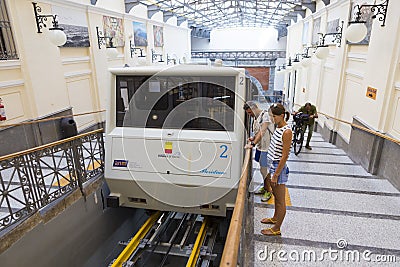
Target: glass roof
[(214, 14)]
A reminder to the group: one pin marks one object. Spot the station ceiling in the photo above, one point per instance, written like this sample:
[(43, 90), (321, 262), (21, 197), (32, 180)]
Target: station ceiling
[(214, 14)]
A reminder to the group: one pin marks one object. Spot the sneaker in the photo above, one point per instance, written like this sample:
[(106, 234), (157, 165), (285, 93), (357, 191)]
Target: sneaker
[(308, 147), (261, 191), (266, 196)]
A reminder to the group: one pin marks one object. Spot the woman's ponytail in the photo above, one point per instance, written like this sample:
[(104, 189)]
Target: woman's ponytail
[(287, 115)]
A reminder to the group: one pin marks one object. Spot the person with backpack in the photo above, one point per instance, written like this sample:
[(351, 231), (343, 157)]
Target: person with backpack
[(311, 111)]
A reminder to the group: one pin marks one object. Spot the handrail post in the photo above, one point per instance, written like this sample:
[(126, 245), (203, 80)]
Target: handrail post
[(78, 166)]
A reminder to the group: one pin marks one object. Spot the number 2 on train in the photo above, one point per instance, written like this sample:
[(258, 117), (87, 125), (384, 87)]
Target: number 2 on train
[(223, 154)]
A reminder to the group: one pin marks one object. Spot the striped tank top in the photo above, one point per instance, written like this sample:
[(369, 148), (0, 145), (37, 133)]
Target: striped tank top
[(276, 145)]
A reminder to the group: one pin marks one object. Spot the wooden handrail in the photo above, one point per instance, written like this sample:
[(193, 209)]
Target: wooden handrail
[(361, 128), (232, 242), (24, 152)]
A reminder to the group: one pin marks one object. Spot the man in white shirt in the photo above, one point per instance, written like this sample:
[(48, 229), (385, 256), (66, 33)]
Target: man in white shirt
[(262, 135)]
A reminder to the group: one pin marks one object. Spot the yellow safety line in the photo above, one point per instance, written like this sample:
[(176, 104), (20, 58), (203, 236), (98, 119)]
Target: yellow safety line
[(65, 180), (196, 248), (287, 199), (133, 244)]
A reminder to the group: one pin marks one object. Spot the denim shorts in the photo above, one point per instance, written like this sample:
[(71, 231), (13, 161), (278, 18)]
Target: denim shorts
[(284, 176), (261, 157)]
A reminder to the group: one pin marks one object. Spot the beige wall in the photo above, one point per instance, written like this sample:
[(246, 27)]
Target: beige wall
[(338, 84), (47, 79)]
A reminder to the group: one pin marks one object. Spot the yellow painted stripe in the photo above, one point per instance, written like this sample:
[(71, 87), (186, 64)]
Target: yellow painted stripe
[(92, 166), (287, 199), (64, 180), (133, 244), (67, 178), (196, 248)]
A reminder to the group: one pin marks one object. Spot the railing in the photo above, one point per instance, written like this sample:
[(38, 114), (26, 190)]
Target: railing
[(31, 179), (363, 128), (396, 141), (236, 55), (232, 242), (240, 58)]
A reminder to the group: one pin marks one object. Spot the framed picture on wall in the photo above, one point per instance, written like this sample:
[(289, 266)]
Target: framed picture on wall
[(75, 26), (114, 27), (305, 33), (158, 36), (331, 26), (366, 15), (315, 31), (139, 33)]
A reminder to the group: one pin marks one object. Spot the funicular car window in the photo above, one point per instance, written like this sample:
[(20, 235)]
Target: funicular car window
[(177, 102)]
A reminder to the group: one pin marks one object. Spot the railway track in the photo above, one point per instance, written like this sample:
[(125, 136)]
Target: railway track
[(174, 239)]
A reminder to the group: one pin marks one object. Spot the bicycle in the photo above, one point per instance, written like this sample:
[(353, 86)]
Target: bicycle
[(298, 132)]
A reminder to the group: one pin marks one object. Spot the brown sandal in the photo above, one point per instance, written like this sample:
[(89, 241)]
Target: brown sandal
[(268, 221)]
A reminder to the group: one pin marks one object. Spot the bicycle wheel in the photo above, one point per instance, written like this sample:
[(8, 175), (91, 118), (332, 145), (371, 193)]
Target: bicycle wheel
[(298, 140)]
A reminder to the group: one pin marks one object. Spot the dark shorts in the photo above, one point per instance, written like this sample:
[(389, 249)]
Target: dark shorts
[(261, 157)]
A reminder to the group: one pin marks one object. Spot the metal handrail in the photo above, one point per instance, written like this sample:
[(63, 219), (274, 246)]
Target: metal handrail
[(232, 242), (51, 119), (34, 149), (34, 178)]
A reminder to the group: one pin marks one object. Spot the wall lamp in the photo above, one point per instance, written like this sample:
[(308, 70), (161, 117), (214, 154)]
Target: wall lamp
[(56, 34), (296, 60), (112, 51), (133, 49), (281, 69), (171, 59), (289, 64), (306, 61), (357, 30), (323, 49), (154, 56)]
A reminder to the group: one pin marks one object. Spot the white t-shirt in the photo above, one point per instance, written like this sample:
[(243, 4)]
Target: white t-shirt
[(263, 117)]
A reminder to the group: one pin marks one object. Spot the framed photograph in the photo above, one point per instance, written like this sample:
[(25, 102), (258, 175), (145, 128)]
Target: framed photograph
[(305, 33), (366, 15), (139, 33), (114, 27), (158, 36), (331, 26), (75, 26), (315, 31)]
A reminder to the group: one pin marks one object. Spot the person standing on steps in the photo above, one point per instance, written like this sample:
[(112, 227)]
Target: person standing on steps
[(311, 110), (262, 135), (278, 153)]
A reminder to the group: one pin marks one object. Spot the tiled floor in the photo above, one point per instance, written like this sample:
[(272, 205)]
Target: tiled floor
[(340, 215)]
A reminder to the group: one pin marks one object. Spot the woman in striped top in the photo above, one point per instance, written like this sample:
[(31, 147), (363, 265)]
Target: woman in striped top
[(278, 153)]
